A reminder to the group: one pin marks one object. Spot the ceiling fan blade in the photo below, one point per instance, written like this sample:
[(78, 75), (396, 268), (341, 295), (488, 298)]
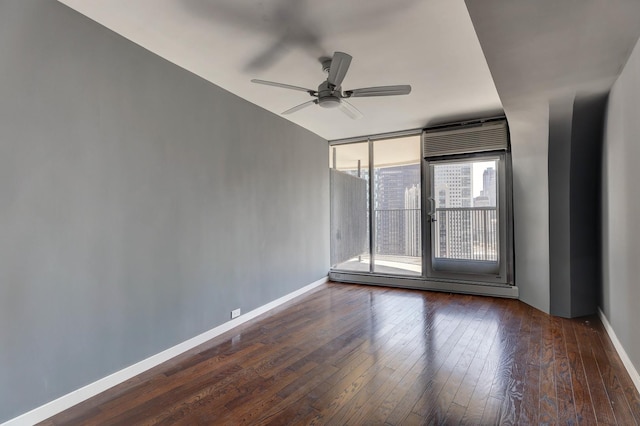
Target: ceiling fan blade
[(403, 89), (284, 86), (268, 57), (299, 107), (338, 68), (350, 110)]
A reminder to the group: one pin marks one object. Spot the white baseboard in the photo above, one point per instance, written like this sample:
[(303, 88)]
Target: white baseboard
[(73, 398), (631, 369)]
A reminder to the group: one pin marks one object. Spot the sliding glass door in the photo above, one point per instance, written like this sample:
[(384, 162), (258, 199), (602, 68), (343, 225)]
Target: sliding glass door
[(467, 232)]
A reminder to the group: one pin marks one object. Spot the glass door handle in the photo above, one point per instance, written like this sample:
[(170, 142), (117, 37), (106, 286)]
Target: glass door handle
[(432, 209)]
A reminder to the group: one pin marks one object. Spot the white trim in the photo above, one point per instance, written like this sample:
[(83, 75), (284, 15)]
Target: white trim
[(481, 289), (631, 369), (73, 398)]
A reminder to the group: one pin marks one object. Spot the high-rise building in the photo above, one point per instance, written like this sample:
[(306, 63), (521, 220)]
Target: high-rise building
[(390, 185), (481, 201), (485, 220), (413, 221), (489, 185), (453, 188), (453, 185)]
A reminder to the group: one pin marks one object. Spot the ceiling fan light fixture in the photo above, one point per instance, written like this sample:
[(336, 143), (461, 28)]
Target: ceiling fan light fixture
[(329, 101)]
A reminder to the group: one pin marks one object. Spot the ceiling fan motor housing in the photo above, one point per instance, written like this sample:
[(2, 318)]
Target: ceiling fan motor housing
[(327, 95)]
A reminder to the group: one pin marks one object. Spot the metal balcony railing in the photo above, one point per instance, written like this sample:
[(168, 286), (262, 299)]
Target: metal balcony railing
[(398, 232), (466, 233)]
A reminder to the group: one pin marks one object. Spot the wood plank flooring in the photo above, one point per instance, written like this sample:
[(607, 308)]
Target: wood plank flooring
[(351, 354)]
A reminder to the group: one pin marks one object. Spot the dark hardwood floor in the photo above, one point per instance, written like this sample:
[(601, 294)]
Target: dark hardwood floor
[(349, 354)]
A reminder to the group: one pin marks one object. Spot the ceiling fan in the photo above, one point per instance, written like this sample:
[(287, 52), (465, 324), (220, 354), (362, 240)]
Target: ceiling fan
[(330, 94)]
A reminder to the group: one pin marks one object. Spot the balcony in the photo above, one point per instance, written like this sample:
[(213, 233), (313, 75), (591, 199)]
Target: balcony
[(465, 234)]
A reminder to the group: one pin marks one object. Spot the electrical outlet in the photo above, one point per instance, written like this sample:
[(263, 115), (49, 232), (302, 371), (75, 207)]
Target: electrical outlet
[(235, 313)]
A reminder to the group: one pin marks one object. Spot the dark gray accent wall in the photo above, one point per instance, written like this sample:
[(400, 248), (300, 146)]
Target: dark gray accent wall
[(586, 175), (621, 209), (575, 146), (560, 118), (140, 204)]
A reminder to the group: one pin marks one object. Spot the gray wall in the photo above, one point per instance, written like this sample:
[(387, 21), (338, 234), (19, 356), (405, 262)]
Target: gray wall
[(140, 204), (621, 209), (529, 128)]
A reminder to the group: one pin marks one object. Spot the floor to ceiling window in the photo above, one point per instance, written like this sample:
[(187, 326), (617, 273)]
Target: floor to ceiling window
[(392, 242), (434, 205), (397, 195)]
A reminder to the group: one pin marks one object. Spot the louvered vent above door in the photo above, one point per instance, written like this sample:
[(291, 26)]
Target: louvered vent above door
[(485, 137)]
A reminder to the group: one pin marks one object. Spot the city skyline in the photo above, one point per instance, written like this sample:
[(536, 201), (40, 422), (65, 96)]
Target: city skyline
[(461, 231)]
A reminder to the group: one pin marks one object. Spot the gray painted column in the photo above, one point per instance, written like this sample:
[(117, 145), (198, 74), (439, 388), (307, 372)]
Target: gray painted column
[(575, 146)]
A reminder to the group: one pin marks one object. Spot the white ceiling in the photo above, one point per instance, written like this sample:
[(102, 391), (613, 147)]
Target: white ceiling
[(430, 45)]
